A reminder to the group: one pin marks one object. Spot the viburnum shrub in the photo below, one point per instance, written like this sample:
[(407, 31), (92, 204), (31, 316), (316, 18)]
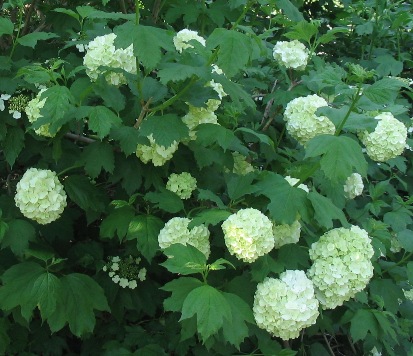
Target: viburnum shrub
[(206, 177)]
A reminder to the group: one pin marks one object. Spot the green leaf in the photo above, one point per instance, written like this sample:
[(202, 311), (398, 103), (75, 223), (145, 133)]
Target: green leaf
[(238, 186), (237, 93), (111, 95), (303, 31), (409, 268), (265, 265), (97, 156), (6, 26), (78, 297), (405, 238), (184, 259), (340, 155), (145, 229), (209, 217), (389, 292), (211, 308), (128, 138), (147, 42), (117, 223), (387, 326), (102, 119), (353, 123), (362, 322), (287, 202), (204, 194), (13, 144), (174, 72), (31, 39), (236, 330), (326, 211), (18, 235), (330, 35), (234, 49), (84, 193), (289, 10), (261, 137), (384, 91), (208, 134), (67, 12), (388, 65), (165, 200), (179, 288), (165, 129), (29, 285)]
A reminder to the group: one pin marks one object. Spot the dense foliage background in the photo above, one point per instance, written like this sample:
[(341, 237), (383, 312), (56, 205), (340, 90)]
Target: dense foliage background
[(95, 124)]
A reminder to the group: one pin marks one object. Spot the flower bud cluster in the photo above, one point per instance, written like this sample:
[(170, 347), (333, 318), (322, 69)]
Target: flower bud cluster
[(286, 234), (33, 114), (182, 38), (158, 154), (182, 184), (341, 265), (286, 305), (40, 196), (387, 141), (17, 104), (101, 52), (176, 231), (353, 186), (302, 122), (248, 234), (125, 271), (291, 54)]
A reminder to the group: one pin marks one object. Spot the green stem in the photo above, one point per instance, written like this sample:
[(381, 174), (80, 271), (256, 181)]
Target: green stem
[(18, 32), (138, 72), (352, 106), (68, 169), (308, 174), (404, 259)]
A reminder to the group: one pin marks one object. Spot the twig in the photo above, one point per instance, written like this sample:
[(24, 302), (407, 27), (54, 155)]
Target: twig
[(269, 104), (328, 345), (28, 16), (286, 344), (123, 6), (142, 114), (352, 346), (79, 138)]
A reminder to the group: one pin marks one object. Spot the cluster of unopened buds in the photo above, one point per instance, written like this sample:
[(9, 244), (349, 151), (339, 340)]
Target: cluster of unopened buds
[(125, 271)]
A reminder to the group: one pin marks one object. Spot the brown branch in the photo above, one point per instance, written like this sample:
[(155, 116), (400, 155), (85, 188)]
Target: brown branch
[(79, 138), (328, 345), (123, 6), (28, 17), (142, 114), (269, 104)]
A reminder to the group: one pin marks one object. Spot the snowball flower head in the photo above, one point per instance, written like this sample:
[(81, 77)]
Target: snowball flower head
[(353, 186), (302, 122), (40, 195), (286, 305), (291, 54), (33, 114), (388, 140), (158, 154), (248, 234), (293, 181), (182, 38), (197, 116), (176, 231), (341, 265), (286, 234), (182, 184), (102, 52)]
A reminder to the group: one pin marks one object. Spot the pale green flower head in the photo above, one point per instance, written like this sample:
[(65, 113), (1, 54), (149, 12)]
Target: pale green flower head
[(182, 184), (158, 154), (353, 186), (291, 54)]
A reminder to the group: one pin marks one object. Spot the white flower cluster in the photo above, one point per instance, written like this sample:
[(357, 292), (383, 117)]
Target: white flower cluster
[(286, 305), (125, 271), (241, 165), (408, 294), (182, 38), (353, 186), (248, 234), (101, 52), (341, 265), (158, 154), (33, 114), (176, 231), (182, 184), (3, 98), (292, 54), (286, 234), (40, 196), (293, 181), (387, 141), (302, 122)]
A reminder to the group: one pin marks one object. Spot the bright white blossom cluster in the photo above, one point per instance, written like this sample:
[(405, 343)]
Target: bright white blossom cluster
[(302, 122), (408, 294), (40, 196), (33, 114), (182, 38), (158, 154), (101, 52), (248, 234), (286, 234), (387, 141), (176, 231), (341, 265), (125, 271), (291, 54), (293, 181), (241, 165), (286, 305), (182, 184), (353, 186)]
